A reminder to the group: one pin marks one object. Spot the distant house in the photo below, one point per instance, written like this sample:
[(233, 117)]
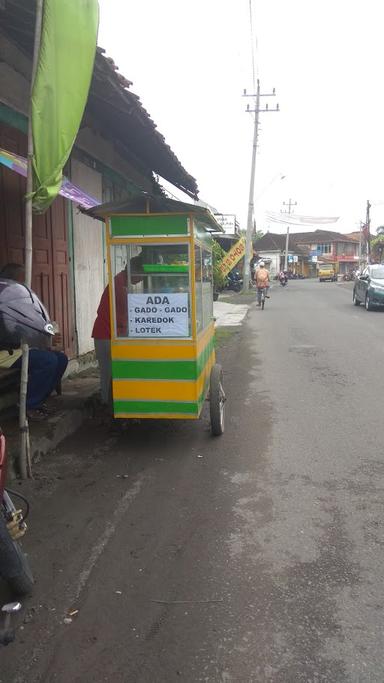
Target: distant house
[(271, 247), (342, 250), (307, 249), (118, 152)]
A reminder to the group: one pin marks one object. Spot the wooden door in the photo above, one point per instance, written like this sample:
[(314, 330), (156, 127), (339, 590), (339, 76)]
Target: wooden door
[(50, 278)]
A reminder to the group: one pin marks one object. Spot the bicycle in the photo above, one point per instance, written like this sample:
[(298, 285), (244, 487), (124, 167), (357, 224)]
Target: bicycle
[(263, 296)]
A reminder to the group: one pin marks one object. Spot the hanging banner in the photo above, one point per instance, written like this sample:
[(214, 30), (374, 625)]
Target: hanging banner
[(60, 90), (18, 164), (233, 257), (296, 219), (158, 315)]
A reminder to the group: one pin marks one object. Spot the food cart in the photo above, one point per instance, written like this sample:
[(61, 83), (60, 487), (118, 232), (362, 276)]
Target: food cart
[(160, 274)]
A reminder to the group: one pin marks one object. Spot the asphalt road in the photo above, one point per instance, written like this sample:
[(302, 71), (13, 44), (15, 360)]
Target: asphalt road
[(254, 557)]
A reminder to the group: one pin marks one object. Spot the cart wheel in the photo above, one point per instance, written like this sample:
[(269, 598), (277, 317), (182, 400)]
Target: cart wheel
[(216, 400)]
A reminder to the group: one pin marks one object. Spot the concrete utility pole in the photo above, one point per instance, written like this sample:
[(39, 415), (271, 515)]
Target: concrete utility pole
[(256, 111), (289, 204), (368, 229), (361, 244)]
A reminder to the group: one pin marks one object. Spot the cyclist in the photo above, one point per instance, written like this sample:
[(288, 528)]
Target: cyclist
[(262, 281)]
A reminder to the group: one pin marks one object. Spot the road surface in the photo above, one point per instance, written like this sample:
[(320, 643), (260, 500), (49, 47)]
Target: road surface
[(254, 557)]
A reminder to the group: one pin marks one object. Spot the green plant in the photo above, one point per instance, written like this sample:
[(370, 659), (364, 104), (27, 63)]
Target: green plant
[(377, 247), (218, 254)]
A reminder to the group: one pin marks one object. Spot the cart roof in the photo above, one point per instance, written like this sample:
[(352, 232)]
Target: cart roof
[(146, 203)]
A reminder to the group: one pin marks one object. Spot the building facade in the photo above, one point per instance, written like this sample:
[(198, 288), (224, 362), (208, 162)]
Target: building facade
[(331, 247), (118, 153), (309, 249), (271, 247)]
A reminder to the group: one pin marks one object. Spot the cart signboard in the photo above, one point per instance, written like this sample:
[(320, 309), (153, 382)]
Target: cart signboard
[(158, 315)]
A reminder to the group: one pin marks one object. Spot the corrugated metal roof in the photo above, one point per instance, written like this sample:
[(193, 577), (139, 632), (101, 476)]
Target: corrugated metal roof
[(271, 241), (300, 240), (146, 203), (111, 103), (321, 236), (276, 242)]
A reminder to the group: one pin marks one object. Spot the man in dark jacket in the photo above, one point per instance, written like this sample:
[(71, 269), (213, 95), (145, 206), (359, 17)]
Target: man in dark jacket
[(45, 368)]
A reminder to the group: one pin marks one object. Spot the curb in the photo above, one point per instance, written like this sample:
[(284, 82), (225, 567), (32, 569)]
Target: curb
[(46, 436)]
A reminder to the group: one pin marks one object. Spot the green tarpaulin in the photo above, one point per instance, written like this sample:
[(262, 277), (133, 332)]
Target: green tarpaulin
[(60, 90)]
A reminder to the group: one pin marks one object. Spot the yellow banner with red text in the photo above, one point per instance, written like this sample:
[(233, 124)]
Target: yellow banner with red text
[(233, 257)]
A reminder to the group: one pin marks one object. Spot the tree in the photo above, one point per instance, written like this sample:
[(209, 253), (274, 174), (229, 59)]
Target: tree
[(218, 254), (257, 236), (377, 245)]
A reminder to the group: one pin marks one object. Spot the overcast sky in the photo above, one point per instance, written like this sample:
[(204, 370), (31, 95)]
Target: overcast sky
[(189, 63)]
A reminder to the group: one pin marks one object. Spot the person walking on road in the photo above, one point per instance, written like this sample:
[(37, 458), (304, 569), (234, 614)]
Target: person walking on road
[(262, 281)]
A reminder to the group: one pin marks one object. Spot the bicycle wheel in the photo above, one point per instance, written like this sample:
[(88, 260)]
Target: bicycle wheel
[(216, 400), (262, 301)]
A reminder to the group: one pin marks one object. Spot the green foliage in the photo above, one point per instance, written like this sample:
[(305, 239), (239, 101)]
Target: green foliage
[(218, 254), (257, 236), (377, 241), (377, 247)]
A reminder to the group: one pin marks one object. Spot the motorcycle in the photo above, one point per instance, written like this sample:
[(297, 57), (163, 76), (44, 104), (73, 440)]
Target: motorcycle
[(234, 281), (23, 318), (283, 280), (14, 566)]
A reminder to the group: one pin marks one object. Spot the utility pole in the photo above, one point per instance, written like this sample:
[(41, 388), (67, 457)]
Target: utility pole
[(289, 204), (256, 111), (360, 244), (368, 229)]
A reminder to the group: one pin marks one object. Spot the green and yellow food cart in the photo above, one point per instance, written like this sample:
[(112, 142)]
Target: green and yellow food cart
[(160, 274)]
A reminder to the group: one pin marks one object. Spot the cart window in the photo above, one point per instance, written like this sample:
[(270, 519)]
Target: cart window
[(198, 289), (207, 286), (152, 291)]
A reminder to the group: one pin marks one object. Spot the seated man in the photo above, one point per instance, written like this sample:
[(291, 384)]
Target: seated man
[(46, 367)]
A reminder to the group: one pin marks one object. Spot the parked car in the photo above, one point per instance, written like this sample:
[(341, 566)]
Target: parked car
[(369, 287), (327, 272)]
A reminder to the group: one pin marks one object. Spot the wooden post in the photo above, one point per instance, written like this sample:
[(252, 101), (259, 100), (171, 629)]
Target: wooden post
[(24, 455)]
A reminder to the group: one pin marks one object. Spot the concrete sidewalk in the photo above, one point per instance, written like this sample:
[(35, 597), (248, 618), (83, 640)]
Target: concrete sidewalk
[(80, 401), (76, 403), (228, 314)]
